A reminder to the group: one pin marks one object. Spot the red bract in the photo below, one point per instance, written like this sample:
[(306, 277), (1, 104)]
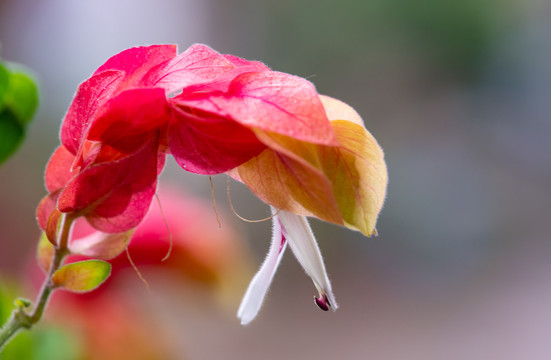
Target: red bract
[(123, 71), (114, 195), (267, 101), (115, 132), (141, 70), (123, 115)]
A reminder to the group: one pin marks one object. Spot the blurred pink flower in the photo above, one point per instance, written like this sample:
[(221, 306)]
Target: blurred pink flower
[(112, 324)]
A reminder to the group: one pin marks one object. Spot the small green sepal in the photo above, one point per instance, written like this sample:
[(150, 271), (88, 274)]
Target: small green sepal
[(22, 303)]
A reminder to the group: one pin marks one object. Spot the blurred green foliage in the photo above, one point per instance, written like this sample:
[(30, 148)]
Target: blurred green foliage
[(18, 103), (452, 37), (456, 35), (42, 343)]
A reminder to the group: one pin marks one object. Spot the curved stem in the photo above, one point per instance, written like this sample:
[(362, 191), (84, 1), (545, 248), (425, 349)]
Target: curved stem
[(19, 319), (10, 329), (47, 287)]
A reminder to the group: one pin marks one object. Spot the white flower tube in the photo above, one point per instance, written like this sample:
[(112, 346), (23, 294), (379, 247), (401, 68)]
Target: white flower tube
[(295, 230), (256, 292), (301, 239)]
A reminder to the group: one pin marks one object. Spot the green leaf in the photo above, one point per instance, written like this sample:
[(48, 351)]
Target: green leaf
[(21, 96), (82, 276), (4, 77), (18, 103), (11, 134)]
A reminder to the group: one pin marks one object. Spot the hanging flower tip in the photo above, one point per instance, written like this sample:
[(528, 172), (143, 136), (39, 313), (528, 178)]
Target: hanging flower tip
[(325, 299), (322, 302)]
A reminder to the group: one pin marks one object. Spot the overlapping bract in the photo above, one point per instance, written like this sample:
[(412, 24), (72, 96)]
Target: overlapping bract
[(297, 150)]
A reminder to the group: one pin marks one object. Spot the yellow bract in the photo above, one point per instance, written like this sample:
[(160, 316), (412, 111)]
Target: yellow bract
[(358, 174), (344, 184)]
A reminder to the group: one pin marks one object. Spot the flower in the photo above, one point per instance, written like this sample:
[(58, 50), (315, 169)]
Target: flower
[(355, 178), (303, 153)]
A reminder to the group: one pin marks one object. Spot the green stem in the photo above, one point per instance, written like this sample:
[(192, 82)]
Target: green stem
[(10, 328), (19, 319)]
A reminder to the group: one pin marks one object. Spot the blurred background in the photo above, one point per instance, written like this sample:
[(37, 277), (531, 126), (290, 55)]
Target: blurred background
[(458, 93)]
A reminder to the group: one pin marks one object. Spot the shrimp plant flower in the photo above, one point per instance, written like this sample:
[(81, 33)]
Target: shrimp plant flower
[(304, 154)]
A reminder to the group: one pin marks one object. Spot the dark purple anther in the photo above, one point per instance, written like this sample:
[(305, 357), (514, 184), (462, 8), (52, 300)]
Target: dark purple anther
[(322, 302)]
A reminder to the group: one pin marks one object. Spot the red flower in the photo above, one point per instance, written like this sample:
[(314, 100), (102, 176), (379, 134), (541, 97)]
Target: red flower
[(300, 152), (215, 130)]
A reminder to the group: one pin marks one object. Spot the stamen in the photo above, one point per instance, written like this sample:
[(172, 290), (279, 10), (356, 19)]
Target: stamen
[(136, 269), (214, 202), (241, 217), (170, 239)]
